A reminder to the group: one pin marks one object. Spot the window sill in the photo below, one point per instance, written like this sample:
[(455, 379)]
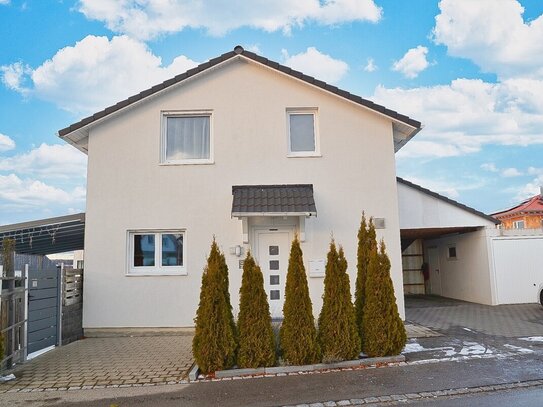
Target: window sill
[(187, 162), (156, 274), (304, 155)]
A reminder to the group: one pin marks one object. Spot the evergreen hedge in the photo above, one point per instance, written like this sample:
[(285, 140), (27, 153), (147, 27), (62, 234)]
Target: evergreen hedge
[(256, 338), (298, 335), (384, 331), (338, 332), (214, 342), (367, 243)]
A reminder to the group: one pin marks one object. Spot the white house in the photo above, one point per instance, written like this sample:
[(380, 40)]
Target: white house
[(243, 149)]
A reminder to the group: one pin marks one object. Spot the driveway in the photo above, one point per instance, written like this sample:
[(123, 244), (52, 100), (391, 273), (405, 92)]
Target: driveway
[(448, 315), (107, 362)]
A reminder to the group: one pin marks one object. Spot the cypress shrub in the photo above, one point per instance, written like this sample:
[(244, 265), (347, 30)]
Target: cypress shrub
[(366, 243), (338, 333), (214, 342), (223, 268), (298, 335), (256, 338), (384, 330)]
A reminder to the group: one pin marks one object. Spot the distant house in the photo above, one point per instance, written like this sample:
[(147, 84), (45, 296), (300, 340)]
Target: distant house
[(526, 215), (243, 149)]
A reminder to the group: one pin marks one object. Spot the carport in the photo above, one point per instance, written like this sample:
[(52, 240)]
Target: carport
[(31, 303), (451, 238)]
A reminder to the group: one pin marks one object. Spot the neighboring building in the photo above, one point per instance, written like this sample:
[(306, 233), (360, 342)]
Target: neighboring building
[(527, 215), (243, 149)]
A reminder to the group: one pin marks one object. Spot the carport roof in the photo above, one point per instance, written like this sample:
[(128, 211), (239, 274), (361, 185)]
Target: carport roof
[(47, 236)]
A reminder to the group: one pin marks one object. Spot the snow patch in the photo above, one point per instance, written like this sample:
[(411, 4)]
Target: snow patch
[(518, 349), (532, 339)]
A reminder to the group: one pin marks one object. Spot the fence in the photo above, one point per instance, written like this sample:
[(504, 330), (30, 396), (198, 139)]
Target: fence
[(13, 311), (72, 305)]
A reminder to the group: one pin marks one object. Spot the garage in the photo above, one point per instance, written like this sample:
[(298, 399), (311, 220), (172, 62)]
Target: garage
[(518, 268)]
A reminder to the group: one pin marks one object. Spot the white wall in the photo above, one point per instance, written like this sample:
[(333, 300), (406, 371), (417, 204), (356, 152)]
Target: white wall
[(419, 210), (128, 189), (468, 277)]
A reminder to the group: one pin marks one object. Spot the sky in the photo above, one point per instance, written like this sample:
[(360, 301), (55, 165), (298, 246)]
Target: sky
[(470, 71)]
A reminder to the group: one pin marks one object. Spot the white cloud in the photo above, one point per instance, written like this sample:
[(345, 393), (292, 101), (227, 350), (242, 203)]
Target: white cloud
[(48, 161), (94, 73), (2, 2), (6, 143), (511, 172), (467, 114), (493, 34), (413, 62), (451, 189), (321, 66), (13, 76), (370, 66), (31, 192), (151, 18), (491, 167)]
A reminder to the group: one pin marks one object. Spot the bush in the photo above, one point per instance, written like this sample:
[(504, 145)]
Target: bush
[(214, 343), (298, 333), (366, 243), (338, 333), (256, 338), (383, 328)]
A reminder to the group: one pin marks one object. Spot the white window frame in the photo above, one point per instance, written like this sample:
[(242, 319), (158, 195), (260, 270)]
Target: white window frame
[(307, 110), (185, 113), (158, 269), (517, 223)]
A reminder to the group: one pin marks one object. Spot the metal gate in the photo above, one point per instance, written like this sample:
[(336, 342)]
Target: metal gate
[(43, 307)]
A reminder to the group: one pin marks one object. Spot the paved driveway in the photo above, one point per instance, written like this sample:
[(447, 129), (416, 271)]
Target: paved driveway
[(107, 362), (445, 314)]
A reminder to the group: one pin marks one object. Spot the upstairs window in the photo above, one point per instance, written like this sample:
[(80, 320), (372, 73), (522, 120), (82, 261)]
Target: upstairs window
[(302, 133), (518, 224), (186, 138)]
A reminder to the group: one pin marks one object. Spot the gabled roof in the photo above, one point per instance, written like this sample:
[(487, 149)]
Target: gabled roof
[(273, 200), (533, 205), (448, 200), (405, 127)]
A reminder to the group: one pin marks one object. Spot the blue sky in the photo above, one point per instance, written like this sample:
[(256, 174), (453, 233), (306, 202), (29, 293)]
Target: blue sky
[(471, 72)]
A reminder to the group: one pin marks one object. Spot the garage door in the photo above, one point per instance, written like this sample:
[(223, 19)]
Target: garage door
[(518, 264)]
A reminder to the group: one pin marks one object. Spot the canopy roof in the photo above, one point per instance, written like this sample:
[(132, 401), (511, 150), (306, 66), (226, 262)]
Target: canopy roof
[(47, 236)]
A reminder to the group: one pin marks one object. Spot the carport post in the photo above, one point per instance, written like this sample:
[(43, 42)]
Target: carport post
[(59, 321)]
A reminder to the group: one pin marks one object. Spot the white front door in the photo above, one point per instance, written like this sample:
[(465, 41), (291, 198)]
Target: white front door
[(273, 249)]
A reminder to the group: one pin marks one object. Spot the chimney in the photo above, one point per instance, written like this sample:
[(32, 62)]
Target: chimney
[(541, 191)]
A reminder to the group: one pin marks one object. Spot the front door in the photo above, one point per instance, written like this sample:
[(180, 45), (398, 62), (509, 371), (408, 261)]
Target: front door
[(272, 256), (435, 273)]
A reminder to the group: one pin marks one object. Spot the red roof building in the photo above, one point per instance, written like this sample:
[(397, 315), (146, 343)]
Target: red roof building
[(527, 215)]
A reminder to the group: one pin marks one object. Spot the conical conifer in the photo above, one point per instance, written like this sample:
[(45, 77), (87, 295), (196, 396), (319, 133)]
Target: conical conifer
[(298, 335), (256, 339), (366, 243), (338, 333), (214, 342), (384, 330)]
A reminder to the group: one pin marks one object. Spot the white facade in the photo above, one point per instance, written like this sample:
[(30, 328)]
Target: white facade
[(131, 191)]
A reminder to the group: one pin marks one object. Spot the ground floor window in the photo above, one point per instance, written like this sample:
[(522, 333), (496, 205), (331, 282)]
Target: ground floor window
[(156, 252)]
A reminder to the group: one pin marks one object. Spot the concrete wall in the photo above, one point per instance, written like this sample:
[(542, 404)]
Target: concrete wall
[(128, 189), (468, 277)]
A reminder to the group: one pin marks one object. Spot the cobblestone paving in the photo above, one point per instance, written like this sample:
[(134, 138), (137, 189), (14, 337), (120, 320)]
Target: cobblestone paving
[(501, 320), (106, 362)]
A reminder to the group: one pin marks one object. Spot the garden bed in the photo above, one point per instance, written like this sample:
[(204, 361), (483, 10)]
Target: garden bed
[(303, 369)]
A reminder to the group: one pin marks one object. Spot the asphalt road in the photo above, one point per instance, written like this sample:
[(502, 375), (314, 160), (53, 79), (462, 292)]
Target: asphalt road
[(517, 398), (277, 391)]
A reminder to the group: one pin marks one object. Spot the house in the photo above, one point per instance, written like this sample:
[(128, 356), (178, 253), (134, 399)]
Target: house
[(468, 257), (526, 215), (243, 149)]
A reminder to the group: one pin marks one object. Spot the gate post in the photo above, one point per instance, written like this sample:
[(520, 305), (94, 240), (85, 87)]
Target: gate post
[(25, 326), (60, 284)]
